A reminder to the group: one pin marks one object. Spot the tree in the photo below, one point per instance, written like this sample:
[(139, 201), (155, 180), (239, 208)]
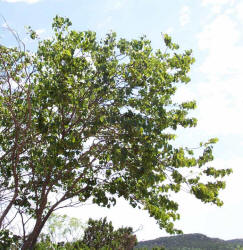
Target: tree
[(87, 119), (60, 231), (100, 234), (64, 228)]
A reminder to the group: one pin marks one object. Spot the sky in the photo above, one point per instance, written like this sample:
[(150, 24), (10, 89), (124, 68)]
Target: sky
[(213, 29)]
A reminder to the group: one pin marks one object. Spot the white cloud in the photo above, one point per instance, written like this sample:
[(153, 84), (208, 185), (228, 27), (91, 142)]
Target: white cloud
[(221, 32), (216, 2), (115, 5), (40, 31), (220, 38), (239, 11), (220, 104), (219, 95), (23, 1), (184, 16), (216, 5), (105, 22), (169, 30)]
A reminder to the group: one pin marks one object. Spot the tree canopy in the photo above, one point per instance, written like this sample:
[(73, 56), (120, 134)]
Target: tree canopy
[(100, 234), (83, 118)]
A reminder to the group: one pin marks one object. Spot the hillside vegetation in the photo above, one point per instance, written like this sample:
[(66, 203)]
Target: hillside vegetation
[(191, 242)]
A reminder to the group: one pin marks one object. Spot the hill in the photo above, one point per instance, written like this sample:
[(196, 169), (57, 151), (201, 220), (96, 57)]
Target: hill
[(192, 242)]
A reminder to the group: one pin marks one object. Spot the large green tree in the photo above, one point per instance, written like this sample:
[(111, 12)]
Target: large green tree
[(94, 119)]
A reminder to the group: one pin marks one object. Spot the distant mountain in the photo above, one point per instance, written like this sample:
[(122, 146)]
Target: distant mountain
[(191, 242)]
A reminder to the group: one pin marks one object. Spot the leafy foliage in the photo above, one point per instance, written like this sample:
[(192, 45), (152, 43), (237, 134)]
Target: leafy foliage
[(62, 228), (100, 234), (8, 240), (89, 119)]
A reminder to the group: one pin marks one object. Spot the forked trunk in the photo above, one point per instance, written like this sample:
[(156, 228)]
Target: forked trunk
[(29, 244), (32, 238)]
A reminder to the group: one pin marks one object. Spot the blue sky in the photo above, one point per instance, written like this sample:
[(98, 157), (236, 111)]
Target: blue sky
[(213, 29)]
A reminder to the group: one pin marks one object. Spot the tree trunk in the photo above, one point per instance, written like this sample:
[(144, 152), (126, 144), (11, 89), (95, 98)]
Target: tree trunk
[(32, 238), (29, 244)]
